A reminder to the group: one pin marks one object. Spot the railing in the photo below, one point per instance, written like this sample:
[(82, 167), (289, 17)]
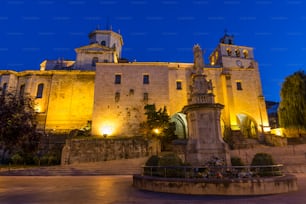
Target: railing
[(216, 172)]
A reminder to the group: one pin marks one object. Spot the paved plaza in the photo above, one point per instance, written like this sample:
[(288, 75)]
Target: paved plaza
[(117, 190)]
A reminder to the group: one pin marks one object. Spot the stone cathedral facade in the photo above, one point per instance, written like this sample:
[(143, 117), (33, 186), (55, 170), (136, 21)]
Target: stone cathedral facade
[(101, 90)]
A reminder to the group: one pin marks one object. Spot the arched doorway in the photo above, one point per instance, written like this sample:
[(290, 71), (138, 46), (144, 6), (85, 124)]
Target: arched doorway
[(247, 125), (180, 125)]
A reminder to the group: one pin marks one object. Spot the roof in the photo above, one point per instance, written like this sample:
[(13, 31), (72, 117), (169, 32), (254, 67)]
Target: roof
[(94, 48)]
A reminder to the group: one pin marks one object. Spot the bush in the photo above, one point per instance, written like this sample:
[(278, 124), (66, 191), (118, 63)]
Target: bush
[(170, 159), (263, 159), (153, 161), (17, 159), (236, 161)]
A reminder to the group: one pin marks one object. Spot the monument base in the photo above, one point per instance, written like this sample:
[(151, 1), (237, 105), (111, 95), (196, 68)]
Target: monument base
[(206, 154)]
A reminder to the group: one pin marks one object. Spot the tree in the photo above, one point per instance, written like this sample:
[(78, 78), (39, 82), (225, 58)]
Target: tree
[(292, 108), (18, 133), (158, 124)]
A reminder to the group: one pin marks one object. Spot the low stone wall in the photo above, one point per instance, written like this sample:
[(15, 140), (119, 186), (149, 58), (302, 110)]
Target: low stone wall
[(287, 155), (95, 150), (276, 140), (230, 187)]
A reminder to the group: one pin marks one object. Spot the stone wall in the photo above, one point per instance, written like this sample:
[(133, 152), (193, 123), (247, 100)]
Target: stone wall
[(276, 140), (288, 155), (95, 150), (260, 186)]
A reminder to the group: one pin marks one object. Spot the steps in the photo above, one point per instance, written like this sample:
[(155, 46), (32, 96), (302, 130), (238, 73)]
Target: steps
[(115, 167)]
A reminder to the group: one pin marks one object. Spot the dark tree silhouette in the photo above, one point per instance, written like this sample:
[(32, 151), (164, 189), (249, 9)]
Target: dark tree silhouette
[(17, 125), (158, 124), (292, 108)]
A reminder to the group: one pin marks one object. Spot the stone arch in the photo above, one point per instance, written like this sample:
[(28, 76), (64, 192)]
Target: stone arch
[(180, 125), (247, 125)]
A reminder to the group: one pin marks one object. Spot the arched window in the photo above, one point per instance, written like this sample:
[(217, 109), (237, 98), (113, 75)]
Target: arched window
[(212, 60), (103, 43), (94, 61), (4, 87), (21, 90), (40, 90), (245, 53), (237, 52), (229, 52)]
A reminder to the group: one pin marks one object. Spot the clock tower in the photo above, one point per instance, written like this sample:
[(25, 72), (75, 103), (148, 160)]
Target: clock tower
[(241, 87), (227, 54)]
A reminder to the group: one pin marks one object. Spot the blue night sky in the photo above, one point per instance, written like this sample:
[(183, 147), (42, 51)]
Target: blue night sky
[(157, 30)]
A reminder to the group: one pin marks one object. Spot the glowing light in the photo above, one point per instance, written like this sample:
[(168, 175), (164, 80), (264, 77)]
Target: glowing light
[(267, 129), (37, 108), (106, 130), (156, 131), (277, 131)]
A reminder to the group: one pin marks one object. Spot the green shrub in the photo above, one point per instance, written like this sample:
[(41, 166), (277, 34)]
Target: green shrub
[(236, 161), (52, 160), (263, 159), (152, 161), (17, 159), (170, 159)]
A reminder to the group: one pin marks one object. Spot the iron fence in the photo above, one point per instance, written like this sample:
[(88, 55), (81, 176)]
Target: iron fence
[(216, 172)]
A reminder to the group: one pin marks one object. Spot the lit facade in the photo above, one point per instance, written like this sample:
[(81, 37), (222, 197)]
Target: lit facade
[(109, 94)]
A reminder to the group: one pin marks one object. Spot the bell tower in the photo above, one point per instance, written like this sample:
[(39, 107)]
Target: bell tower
[(105, 46), (107, 38)]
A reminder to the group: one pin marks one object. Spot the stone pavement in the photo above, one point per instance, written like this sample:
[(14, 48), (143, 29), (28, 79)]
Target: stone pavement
[(114, 167), (118, 190)]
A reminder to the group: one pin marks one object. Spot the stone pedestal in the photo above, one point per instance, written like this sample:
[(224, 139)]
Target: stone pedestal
[(205, 140)]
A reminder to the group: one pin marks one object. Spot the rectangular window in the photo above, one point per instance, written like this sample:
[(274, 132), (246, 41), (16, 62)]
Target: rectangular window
[(118, 79), (117, 97), (178, 85), (146, 79), (239, 85), (145, 96), (131, 92)]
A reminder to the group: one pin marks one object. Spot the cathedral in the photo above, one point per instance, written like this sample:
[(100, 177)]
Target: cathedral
[(106, 93)]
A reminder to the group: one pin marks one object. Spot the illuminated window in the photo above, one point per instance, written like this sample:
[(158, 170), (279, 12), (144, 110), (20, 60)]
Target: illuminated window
[(146, 79), (237, 52), (21, 90), (40, 89), (145, 96), (117, 97), (212, 60), (4, 87), (229, 52), (103, 43), (178, 85), (94, 61), (118, 79), (239, 85), (245, 53)]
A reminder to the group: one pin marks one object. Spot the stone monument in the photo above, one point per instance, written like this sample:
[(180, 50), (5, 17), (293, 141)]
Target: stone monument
[(203, 118)]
